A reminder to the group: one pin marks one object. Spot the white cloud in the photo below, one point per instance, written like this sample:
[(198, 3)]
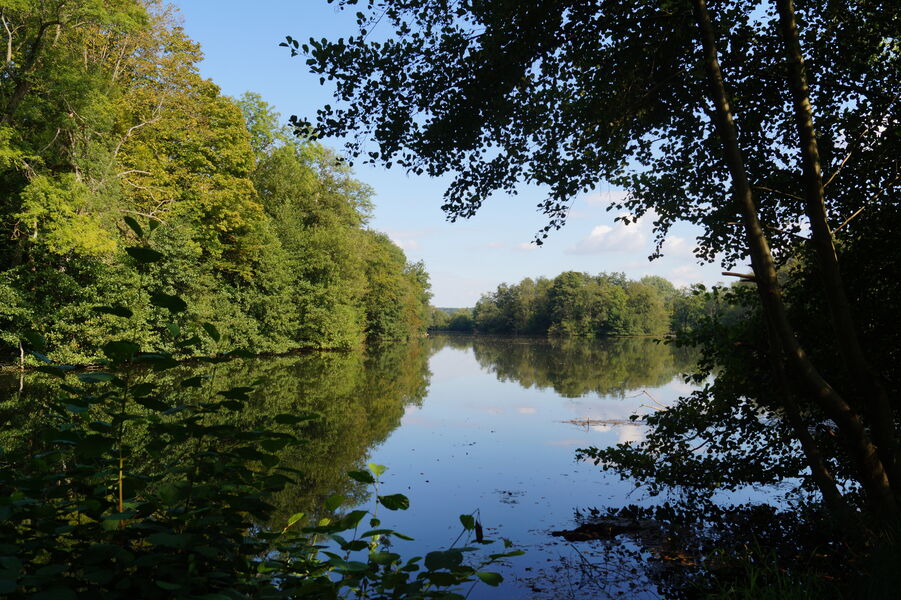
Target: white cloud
[(526, 246), (631, 433), (526, 410), (634, 237), (618, 237), (685, 275), (493, 245), (407, 244), (409, 239), (678, 246)]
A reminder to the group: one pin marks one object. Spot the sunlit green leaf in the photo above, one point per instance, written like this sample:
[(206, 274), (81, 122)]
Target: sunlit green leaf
[(377, 470)]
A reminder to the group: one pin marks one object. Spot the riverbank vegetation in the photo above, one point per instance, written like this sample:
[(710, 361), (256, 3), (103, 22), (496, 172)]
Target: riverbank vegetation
[(582, 305), (150, 479), (112, 146)]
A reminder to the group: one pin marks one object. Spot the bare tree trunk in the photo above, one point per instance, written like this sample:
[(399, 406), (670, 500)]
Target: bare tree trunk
[(872, 475), (874, 396)]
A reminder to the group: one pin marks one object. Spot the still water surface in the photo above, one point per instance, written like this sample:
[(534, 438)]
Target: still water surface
[(495, 432), (466, 424)]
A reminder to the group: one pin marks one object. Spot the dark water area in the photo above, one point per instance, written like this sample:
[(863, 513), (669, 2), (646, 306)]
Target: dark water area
[(464, 424)]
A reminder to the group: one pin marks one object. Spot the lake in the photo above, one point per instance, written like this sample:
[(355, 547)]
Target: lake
[(468, 424), (497, 432)]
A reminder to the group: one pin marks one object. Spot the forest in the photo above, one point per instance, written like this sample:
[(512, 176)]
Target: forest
[(147, 219), (113, 146), (582, 305)]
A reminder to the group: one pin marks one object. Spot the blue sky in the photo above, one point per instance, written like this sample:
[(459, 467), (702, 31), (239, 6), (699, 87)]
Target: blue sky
[(465, 259)]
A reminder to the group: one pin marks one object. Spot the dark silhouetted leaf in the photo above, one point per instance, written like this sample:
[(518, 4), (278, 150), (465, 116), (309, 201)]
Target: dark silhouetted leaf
[(117, 310), (173, 304), (446, 559), (144, 255), (95, 377), (120, 351), (361, 476), (131, 222), (395, 502), (211, 331), (490, 578)]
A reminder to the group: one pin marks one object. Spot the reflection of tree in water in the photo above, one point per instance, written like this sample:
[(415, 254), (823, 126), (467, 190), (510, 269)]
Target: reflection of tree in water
[(360, 397), (574, 367)]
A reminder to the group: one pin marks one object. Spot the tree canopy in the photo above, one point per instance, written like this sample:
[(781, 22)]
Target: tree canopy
[(112, 143), (769, 124), (583, 305)]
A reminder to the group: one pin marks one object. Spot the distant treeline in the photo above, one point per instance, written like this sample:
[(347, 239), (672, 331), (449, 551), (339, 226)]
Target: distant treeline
[(579, 304), (110, 140)]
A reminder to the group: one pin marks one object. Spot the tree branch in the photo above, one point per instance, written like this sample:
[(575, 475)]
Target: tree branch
[(743, 276), (9, 39), (871, 200), (779, 192), (856, 144)]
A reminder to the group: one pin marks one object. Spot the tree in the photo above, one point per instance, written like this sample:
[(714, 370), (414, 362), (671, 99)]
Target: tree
[(396, 301), (462, 320), (666, 100), (111, 141)]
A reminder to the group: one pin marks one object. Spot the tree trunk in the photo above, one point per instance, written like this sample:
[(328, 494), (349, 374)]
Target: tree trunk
[(23, 82), (819, 469), (872, 475), (874, 395)]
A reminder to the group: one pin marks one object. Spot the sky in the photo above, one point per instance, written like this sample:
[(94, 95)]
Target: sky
[(464, 259)]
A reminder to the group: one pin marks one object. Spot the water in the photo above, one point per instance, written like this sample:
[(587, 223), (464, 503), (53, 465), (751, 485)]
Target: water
[(497, 433), (465, 425)]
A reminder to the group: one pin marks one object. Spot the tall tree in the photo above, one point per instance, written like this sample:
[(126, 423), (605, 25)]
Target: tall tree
[(110, 140), (666, 100)]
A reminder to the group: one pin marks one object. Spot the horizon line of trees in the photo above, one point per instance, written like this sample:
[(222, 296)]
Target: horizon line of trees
[(110, 139), (583, 305)]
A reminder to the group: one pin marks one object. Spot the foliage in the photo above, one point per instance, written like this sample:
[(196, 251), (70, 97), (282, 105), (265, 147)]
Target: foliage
[(574, 368), (666, 101), (122, 487), (578, 304), (461, 320), (105, 116)]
